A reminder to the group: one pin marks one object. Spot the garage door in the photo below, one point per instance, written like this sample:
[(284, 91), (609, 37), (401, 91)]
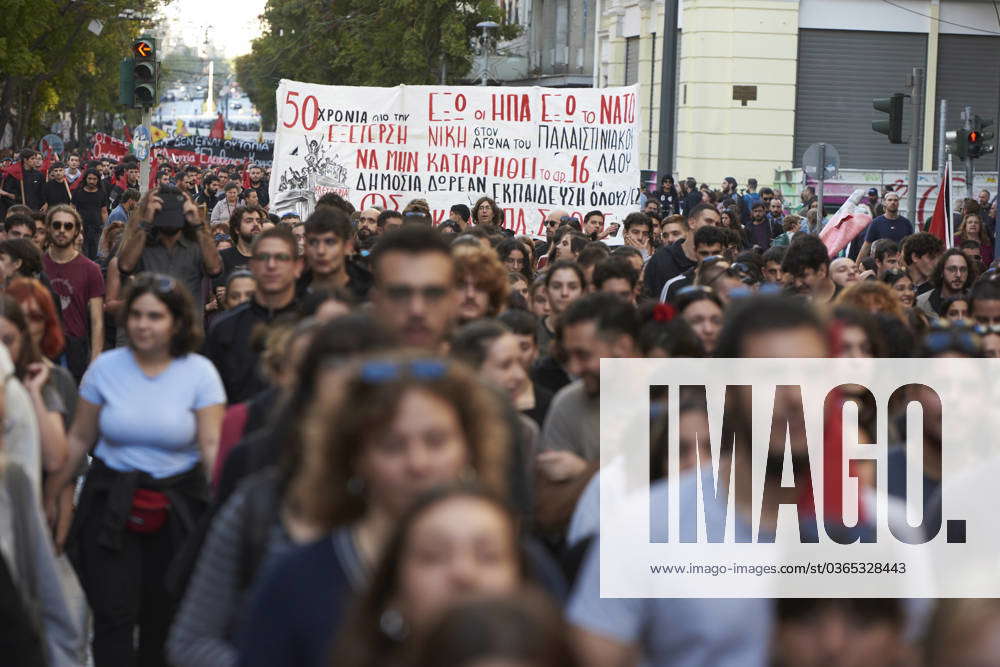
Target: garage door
[(839, 73), (968, 74)]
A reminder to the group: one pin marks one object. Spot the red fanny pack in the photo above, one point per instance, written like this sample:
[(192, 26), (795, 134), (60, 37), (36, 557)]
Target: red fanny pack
[(149, 511)]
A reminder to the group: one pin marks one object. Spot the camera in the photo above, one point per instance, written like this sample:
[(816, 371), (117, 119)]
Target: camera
[(171, 216)]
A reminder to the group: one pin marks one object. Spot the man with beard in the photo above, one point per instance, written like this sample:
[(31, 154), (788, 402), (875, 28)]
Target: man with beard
[(209, 193), (367, 228), (806, 269), (187, 254), (593, 327), (952, 276), (258, 185), (328, 239), (414, 292), (890, 225), (92, 204), (80, 287), (244, 226), (761, 230)]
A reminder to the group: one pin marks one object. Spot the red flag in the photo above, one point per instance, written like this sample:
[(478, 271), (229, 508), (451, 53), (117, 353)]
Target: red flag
[(16, 170), (939, 221), (154, 171), (218, 128), (127, 133), (246, 175)]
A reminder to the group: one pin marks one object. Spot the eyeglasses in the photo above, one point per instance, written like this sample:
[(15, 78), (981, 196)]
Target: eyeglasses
[(379, 372), (279, 257), (987, 329), (57, 225)]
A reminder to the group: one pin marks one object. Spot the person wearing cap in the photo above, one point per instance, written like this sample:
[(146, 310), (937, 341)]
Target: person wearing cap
[(667, 196)]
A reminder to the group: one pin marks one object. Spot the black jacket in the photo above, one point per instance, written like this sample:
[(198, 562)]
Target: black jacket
[(359, 281), (229, 346), (32, 189), (668, 261)]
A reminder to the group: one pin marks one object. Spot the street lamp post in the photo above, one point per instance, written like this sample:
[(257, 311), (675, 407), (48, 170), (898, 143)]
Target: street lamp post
[(486, 26)]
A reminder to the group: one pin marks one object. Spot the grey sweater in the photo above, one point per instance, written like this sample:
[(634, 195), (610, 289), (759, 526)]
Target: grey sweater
[(27, 550)]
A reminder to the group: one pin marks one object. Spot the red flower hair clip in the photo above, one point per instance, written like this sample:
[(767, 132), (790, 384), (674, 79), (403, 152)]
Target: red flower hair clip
[(664, 312)]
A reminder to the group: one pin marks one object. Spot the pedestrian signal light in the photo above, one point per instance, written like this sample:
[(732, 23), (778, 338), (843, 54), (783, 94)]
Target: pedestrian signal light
[(980, 137)]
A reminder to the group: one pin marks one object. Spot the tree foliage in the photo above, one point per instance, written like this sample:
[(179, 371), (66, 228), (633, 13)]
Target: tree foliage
[(362, 43), (50, 61)]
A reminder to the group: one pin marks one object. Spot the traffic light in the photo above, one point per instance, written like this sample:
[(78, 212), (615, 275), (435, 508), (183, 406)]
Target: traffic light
[(144, 72), (126, 92), (979, 137), (957, 142), (892, 126)]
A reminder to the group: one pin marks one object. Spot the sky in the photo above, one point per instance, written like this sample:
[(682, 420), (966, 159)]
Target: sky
[(234, 23)]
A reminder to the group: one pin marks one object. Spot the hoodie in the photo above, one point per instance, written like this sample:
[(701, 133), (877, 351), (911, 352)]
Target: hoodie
[(668, 261)]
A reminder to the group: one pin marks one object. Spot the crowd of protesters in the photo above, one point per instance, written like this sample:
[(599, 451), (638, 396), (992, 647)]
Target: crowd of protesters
[(362, 439)]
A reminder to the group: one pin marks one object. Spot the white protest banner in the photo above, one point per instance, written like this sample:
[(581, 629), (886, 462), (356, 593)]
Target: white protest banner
[(532, 150)]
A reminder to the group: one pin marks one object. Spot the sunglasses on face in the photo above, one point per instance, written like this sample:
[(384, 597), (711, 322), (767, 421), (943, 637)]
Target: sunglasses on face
[(58, 226)]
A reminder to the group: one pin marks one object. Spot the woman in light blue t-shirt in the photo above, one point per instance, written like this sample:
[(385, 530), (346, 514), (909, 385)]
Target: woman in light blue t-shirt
[(152, 412)]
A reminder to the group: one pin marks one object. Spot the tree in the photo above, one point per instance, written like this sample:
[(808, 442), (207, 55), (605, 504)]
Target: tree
[(50, 59), (362, 43)]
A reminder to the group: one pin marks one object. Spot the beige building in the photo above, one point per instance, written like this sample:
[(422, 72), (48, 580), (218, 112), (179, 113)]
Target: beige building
[(761, 80)]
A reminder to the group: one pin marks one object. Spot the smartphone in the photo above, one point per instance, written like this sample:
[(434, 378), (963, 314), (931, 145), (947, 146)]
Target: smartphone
[(171, 216)]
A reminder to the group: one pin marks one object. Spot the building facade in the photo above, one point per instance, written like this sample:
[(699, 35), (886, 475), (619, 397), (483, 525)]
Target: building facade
[(555, 47), (759, 81)]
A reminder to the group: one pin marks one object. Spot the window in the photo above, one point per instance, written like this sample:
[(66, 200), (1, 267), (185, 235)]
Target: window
[(631, 60)]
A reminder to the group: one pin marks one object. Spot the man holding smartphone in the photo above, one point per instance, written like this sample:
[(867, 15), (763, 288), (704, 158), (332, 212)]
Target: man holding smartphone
[(168, 235)]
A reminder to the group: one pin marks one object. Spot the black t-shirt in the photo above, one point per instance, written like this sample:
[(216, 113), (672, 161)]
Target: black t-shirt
[(89, 204), (56, 193), (760, 235), (232, 259)]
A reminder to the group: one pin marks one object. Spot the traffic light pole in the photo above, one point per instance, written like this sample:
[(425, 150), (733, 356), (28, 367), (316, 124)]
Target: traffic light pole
[(970, 170), (145, 165), (916, 98)]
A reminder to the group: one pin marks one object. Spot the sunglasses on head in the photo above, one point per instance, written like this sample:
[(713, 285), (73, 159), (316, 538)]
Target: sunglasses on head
[(163, 284), (378, 372), (692, 289), (962, 340)]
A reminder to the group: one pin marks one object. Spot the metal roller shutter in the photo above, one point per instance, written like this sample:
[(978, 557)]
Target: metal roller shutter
[(839, 73), (968, 73)]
